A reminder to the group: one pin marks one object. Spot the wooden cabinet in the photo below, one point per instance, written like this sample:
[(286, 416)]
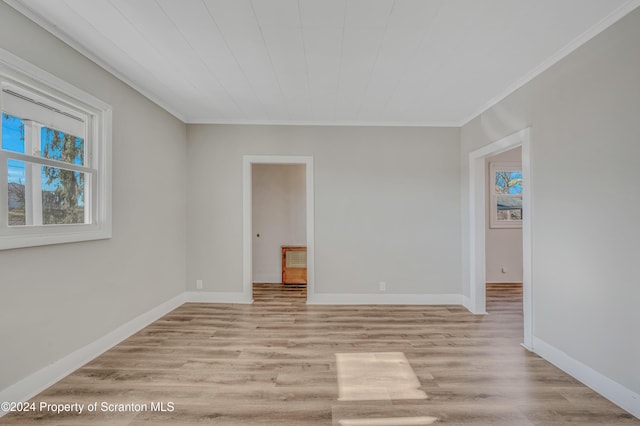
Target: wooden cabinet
[(294, 264)]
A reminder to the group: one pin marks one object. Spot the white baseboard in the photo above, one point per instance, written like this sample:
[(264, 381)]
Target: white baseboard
[(217, 297), (466, 302), (47, 376), (383, 299), (613, 391), (504, 282)]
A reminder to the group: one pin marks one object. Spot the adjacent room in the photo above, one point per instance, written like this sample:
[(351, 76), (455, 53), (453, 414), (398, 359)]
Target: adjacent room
[(319, 212)]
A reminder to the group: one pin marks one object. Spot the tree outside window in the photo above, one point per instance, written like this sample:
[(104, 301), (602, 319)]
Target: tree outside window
[(37, 193)]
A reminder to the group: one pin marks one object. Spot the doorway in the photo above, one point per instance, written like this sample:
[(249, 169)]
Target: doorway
[(503, 235), (254, 238), (503, 229), (478, 176)]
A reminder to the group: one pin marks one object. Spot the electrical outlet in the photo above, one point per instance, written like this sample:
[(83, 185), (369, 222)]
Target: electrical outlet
[(199, 284), (383, 286)]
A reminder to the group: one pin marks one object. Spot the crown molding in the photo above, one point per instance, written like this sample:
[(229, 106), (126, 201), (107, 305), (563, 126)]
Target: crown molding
[(65, 38), (556, 57), (574, 44), (327, 123)]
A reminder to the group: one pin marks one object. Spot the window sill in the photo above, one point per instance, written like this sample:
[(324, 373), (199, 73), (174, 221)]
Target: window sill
[(54, 234)]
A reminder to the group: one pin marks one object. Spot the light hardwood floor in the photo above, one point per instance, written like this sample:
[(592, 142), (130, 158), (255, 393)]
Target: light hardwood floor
[(274, 363)]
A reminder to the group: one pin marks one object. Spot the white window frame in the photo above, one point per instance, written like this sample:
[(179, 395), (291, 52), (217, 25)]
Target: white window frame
[(22, 77), (493, 207)]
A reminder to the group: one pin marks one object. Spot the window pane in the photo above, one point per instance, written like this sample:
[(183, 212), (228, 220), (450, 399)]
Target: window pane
[(57, 145), (12, 133), (43, 195), (54, 144), (508, 182), (16, 193), (62, 196), (509, 214), (30, 106), (509, 207)]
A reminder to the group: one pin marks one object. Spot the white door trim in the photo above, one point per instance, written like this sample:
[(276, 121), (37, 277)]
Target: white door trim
[(247, 226), (477, 226)]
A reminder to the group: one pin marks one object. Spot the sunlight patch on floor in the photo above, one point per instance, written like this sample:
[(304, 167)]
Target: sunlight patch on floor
[(376, 376), (390, 421)]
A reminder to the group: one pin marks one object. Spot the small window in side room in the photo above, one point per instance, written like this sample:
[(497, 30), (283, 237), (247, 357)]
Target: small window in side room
[(54, 159), (506, 195)]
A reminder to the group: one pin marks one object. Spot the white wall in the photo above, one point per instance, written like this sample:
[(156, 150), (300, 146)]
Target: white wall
[(56, 299), (585, 150), (278, 208), (386, 205), (503, 245)]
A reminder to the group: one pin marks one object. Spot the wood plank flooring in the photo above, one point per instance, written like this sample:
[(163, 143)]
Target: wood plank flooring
[(274, 363)]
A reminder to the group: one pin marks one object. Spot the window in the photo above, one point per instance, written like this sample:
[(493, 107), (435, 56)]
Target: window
[(506, 195), (54, 159)]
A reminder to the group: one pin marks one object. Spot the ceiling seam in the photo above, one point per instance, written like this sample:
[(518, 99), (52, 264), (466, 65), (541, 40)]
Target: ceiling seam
[(306, 61), (217, 79), (375, 65), (385, 104), (337, 88), (235, 58), (266, 48), (135, 28)]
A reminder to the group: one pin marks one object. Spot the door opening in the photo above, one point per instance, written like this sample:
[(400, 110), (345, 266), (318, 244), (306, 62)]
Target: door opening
[(477, 226), (277, 214), (503, 233)]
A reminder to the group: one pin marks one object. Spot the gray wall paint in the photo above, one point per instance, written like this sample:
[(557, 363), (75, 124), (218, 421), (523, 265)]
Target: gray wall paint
[(386, 205), (585, 137), (47, 309), (279, 216)]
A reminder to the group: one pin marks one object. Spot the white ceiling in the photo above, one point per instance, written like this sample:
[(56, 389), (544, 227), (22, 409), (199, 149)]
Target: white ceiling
[(402, 62)]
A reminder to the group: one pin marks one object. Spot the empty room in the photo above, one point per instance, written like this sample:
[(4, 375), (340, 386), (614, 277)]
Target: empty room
[(319, 212)]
